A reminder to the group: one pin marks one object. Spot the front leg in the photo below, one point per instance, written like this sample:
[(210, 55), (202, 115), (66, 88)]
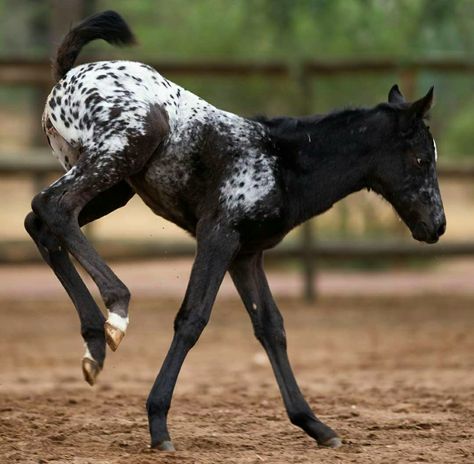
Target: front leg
[(249, 278), (216, 247)]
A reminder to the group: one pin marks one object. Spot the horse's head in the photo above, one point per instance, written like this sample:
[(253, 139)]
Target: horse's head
[(405, 166)]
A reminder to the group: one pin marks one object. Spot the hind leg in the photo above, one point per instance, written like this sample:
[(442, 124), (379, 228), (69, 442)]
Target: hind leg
[(59, 207), (91, 318), (249, 278)]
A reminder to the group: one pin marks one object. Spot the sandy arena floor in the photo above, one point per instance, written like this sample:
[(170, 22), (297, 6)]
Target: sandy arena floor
[(393, 375)]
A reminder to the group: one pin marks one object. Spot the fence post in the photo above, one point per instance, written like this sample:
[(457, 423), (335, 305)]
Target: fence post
[(307, 236), (408, 78), (308, 259)]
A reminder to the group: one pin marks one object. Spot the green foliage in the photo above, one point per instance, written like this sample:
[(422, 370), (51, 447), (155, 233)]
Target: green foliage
[(267, 29), (459, 134), (301, 28), (288, 30)]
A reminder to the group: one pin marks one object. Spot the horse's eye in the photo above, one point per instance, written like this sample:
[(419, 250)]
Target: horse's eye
[(420, 162)]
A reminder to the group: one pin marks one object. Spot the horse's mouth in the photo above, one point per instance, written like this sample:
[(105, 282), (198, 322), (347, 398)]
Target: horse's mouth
[(423, 233)]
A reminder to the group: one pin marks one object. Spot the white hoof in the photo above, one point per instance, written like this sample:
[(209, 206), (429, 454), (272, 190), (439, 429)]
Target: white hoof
[(115, 328), (90, 368)]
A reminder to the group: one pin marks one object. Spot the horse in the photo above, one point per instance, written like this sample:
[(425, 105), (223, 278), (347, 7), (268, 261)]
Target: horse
[(236, 184)]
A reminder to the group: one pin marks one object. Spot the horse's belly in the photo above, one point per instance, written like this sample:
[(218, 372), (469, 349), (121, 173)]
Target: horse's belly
[(163, 185)]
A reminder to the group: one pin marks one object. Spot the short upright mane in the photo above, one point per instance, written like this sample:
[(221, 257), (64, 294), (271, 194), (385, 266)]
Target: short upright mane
[(295, 123)]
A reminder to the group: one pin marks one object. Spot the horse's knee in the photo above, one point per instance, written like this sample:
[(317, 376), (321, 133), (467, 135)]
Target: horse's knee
[(259, 331), (32, 224), (270, 331), (190, 328)]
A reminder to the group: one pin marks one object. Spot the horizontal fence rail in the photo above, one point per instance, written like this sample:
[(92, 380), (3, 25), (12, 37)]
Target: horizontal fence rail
[(40, 163), (123, 250), (38, 72)]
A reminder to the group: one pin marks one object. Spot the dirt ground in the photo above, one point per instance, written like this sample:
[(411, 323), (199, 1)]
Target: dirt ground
[(394, 376)]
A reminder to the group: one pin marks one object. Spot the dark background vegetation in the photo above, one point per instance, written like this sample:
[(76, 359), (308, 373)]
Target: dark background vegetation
[(284, 30)]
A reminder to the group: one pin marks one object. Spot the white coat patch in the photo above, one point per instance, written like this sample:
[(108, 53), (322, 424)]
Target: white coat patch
[(87, 354), (252, 179), (118, 322), (99, 107)]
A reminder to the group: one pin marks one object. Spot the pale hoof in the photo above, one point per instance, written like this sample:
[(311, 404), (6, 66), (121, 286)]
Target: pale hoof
[(166, 445), (113, 336), (334, 442), (90, 369)]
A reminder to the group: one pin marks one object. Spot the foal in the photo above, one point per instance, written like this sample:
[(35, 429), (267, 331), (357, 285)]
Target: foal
[(238, 185)]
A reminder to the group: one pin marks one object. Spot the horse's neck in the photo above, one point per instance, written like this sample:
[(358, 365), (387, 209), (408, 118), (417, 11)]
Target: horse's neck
[(322, 162)]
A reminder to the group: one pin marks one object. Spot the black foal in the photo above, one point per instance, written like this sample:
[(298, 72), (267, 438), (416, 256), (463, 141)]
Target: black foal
[(238, 185)]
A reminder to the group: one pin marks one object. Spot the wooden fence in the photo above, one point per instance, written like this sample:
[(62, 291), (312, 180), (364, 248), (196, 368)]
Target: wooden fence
[(34, 73), (39, 166)]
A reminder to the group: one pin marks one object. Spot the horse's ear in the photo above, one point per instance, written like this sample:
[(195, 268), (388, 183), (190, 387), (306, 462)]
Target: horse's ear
[(421, 107), (395, 96), (417, 110)]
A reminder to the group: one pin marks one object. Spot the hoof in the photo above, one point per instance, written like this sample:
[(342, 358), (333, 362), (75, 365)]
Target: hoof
[(166, 445), (334, 442), (90, 369), (113, 336)]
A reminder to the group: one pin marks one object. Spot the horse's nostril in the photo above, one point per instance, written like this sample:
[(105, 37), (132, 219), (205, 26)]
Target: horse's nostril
[(442, 229)]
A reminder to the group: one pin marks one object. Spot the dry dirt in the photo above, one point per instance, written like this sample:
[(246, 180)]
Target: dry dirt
[(394, 376)]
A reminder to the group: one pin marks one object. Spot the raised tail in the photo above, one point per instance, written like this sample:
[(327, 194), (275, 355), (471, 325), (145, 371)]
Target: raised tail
[(108, 25)]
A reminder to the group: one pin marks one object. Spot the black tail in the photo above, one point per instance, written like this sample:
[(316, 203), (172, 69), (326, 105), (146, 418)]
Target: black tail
[(108, 25)]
